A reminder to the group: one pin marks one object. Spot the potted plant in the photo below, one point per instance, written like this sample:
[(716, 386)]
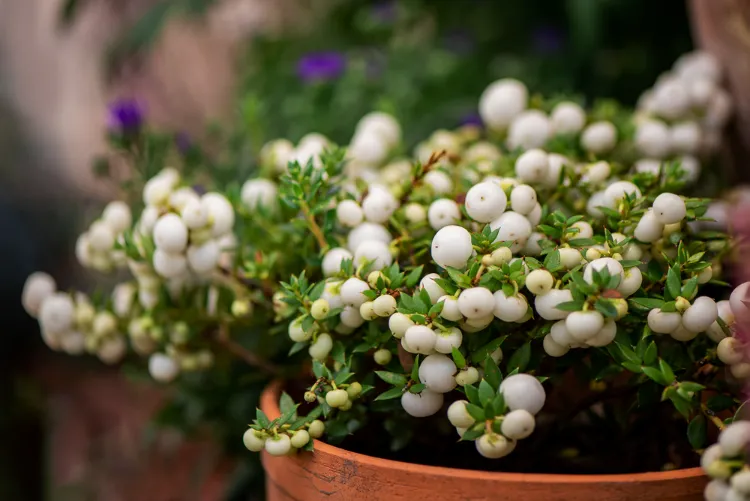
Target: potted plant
[(536, 311)]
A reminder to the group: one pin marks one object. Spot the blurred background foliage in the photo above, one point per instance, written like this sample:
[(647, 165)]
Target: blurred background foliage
[(425, 61)]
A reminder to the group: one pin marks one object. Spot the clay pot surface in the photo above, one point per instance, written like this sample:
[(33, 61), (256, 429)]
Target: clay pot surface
[(333, 474)]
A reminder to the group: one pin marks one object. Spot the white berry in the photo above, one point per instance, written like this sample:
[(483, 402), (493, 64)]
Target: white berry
[(351, 291), (450, 309), (399, 323), (443, 212), (494, 446), (423, 404), (700, 315), (485, 202), (332, 260), (568, 118), (532, 166), (583, 325), (546, 305), (669, 208), (420, 339), (518, 424), (523, 391), (476, 302), (501, 102), (451, 246), (437, 373), (163, 368), (599, 137), (279, 445), (38, 287), (447, 340)]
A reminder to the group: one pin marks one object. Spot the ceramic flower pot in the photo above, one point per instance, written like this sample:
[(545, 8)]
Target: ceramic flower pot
[(334, 474)]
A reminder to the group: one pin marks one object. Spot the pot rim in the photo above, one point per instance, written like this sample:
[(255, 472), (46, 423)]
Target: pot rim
[(269, 405)]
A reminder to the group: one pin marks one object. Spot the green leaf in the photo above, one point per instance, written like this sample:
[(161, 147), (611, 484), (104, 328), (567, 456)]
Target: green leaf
[(606, 308), (499, 404), (645, 303), (415, 369), (520, 358), (655, 374), (486, 392), (719, 403), (691, 386), (461, 279), (416, 388), (475, 411), (458, 359), (285, 403), (628, 353), (471, 434), (683, 406), (690, 288), (287, 416), (296, 347), (582, 242), (479, 355), (674, 284), (650, 355), (570, 306), (666, 370), (414, 276), (262, 419), (392, 378), (492, 373), (392, 393), (696, 432), (472, 394), (338, 353), (552, 261)]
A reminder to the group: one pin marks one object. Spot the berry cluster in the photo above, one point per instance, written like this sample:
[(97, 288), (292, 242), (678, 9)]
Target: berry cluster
[(726, 463), (468, 279)]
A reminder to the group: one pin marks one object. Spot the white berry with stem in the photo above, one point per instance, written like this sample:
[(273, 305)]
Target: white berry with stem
[(443, 212), (485, 202), (420, 339), (539, 282), (322, 346), (451, 246), (502, 101), (518, 424), (523, 391), (399, 323), (433, 289), (280, 445), (458, 415), (553, 348), (450, 309), (568, 118), (532, 166), (375, 252), (437, 373), (700, 315), (422, 404), (448, 339), (494, 446), (583, 325), (476, 302), (349, 213), (599, 137), (546, 305)]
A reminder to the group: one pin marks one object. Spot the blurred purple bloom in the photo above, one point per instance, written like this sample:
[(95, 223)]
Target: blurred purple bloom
[(183, 142), (547, 39), (125, 115), (319, 66), (472, 119), (384, 11), (199, 189), (460, 42)]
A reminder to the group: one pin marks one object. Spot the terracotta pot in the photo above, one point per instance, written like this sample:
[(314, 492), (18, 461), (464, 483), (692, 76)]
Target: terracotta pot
[(334, 474)]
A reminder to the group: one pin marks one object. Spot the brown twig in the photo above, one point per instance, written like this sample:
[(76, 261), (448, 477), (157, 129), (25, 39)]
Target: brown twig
[(433, 160), (406, 358), (222, 337), (314, 227)]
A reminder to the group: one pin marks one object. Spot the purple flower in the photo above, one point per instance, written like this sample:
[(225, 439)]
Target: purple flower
[(472, 119), (385, 11), (547, 39), (183, 142), (125, 115), (321, 66)]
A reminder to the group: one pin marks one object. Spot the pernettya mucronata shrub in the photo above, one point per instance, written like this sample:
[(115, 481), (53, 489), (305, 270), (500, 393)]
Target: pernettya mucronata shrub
[(463, 283)]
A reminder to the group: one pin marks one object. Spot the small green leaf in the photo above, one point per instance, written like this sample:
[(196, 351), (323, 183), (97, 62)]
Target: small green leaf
[(570, 306), (520, 358), (655, 374), (666, 370), (417, 388), (697, 432), (392, 378), (285, 403), (458, 359), (472, 394), (683, 406), (338, 352), (650, 355), (499, 404), (645, 303), (719, 403), (414, 276), (471, 434), (415, 369), (392, 393), (296, 347), (606, 308), (492, 373), (287, 416), (260, 416), (479, 355), (674, 284), (475, 411), (691, 386), (486, 392), (582, 242)]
